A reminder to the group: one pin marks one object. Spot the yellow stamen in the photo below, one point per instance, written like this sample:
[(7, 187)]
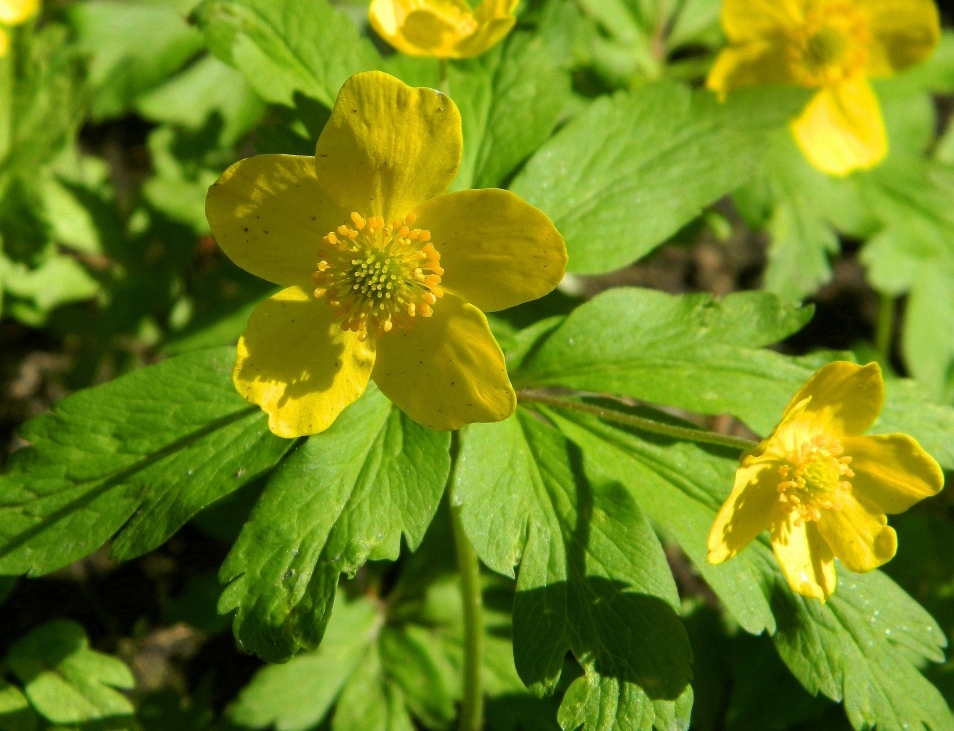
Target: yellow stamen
[(378, 277), (818, 477), (830, 46)]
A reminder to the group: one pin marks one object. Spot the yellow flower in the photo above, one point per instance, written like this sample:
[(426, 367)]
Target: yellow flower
[(15, 12), (821, 488), (385, 273), (442, 28), (834, 46)]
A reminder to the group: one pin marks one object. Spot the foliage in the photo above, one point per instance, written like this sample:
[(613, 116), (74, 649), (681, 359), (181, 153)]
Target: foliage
[(331, 558)]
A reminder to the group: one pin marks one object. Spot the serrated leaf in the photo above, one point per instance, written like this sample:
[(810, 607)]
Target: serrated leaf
[(343, 497), (65, 680), (139, 455), (593, 579), (618, 194), (282, 49), (695, 353), (676, 484), (510, 100), (369, 703), (864, 646), (297, 695), (691, 351)]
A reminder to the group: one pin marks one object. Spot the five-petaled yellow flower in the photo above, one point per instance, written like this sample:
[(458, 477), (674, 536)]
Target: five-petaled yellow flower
[(15, 12), (834, 46), (442, 28), (821, 488), (385, 273)]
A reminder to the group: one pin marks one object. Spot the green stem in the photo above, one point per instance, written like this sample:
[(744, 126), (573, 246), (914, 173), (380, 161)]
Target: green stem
[(445, 84), (638, 422), (886, 310), (472, 707)]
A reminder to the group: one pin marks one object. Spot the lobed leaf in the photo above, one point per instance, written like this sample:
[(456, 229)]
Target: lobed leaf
[(593, 579), (294, 47), (618, 194), (138, 456), (343, 497), (66, 681)]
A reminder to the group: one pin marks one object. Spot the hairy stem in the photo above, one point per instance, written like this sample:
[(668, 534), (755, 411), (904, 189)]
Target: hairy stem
[(638, 422)]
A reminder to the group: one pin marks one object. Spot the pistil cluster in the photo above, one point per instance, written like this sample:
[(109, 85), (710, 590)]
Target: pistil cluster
[(830, 46), (815, 477), (377, 276)]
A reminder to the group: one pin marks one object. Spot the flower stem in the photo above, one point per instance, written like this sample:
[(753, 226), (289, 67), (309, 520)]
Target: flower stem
[(472, 708), (885, 326), (638, 422), (445, 84)]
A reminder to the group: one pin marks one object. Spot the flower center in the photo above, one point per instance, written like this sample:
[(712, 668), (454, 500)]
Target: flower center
[(816, 475), (830, 45), (378, 277)]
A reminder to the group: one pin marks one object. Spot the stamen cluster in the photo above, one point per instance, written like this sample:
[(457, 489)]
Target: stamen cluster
[(378, 277), (816, 475), (830, 46)]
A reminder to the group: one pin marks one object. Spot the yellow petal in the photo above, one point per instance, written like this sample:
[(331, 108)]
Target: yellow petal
[(858, 534), (905, 33), (747, 512), (841, 129), (422, 27), (760, 20), (442, 28), (750, 64), (487, 35), (14, 12), (4, 43), (298, 365), (805, 558), (892, 471), (388, 147), (846, 398), (447, 370), (497, 251), (269, 215)]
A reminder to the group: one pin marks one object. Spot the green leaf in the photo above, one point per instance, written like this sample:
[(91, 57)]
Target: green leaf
[(16, 714), (141, 455), (691, 351), (208, 87), (343, 497), (864, 646), (134, 46), (618, 194), (65, 680), (593, 578), (282, 49), (510, 100), (370, 703), (677, 485), (297, 695)]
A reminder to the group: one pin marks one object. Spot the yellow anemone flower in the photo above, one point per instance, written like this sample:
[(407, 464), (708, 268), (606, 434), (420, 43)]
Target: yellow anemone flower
[(834, 46), (821, 488), (15, 12), (385, 273), (442, 28)]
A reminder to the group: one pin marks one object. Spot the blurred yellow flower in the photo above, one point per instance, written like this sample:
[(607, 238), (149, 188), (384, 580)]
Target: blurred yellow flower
[(385, 273), (821, 488), (834, 46), (442, 28), (14, 12)]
